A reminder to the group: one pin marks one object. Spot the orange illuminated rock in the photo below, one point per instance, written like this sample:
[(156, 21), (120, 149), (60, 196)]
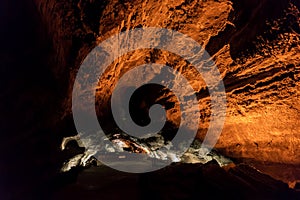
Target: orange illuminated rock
[(255, 45)]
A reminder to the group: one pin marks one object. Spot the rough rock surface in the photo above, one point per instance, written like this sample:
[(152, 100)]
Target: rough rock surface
[(255, 44)]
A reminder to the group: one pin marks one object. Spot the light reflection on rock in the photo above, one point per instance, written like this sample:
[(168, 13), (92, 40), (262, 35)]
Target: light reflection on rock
[(149, 146)]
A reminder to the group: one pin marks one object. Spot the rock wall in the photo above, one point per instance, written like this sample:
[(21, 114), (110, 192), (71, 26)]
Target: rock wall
[(255, 45)]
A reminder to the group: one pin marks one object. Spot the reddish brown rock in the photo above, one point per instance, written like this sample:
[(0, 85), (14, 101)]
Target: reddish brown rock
[(255, 45)]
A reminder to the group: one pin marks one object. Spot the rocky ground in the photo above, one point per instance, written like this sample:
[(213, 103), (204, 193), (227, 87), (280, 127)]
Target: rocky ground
[(178, 181)]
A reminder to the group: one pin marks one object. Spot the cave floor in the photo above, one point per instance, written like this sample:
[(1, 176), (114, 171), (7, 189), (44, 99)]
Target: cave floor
[(177, 181)]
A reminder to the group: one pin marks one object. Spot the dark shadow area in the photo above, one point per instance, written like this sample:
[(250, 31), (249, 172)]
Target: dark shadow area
[(30, 96), (251, 19), (177, 181)]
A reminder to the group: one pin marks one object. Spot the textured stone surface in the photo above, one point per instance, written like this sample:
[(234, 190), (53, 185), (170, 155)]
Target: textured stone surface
[(255, 44)]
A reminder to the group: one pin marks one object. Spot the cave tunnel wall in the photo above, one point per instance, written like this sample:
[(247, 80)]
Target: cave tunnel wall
[(44, 42)]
